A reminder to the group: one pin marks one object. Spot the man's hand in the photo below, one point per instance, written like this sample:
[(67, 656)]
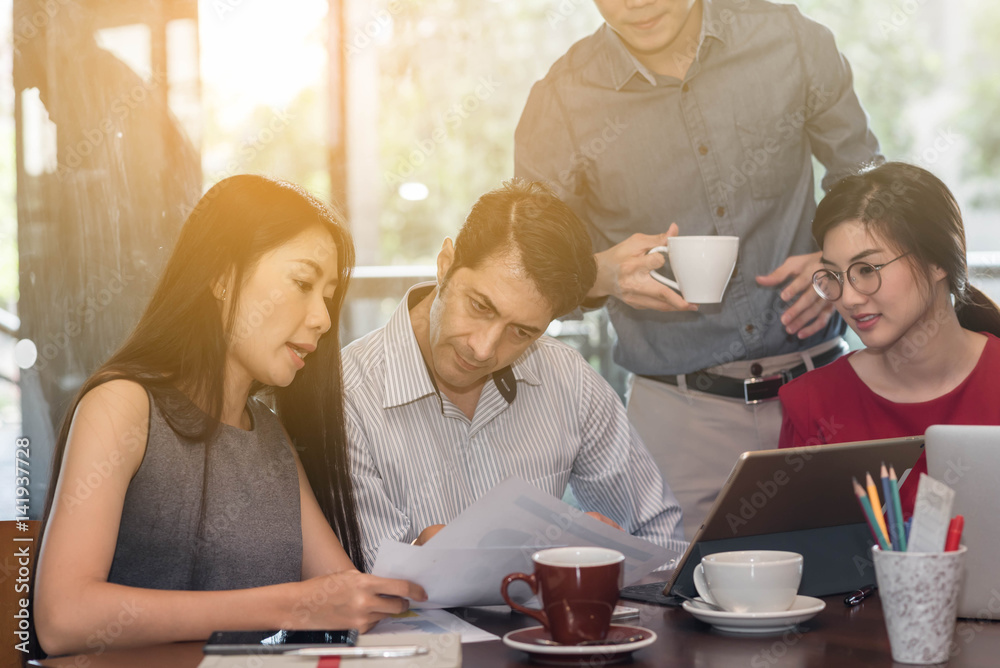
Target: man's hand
[(601, 518), (810, 313), (623, 272), (428, 533)]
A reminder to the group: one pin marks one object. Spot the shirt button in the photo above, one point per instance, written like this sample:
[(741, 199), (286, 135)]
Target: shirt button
[(685, 88), (703, 149), (720, 212), (749, 329), (756, 369)]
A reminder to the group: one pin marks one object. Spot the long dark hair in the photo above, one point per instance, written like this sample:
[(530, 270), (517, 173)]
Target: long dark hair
[(177, 350), (912, 208)]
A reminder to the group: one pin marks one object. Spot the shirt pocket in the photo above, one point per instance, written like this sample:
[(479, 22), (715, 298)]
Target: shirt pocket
[(772, 153)]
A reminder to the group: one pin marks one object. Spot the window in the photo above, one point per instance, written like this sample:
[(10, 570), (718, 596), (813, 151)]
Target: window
[(128, 111)]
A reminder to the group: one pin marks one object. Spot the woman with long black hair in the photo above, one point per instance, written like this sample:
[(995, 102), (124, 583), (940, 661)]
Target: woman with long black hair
[(181, 505)]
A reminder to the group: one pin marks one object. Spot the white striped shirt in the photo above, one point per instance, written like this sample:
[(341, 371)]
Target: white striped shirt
[(417, 460)]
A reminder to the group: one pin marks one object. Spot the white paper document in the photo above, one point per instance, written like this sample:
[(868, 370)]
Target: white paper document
[(464, 564), (444, 651), (451, 577), (429, 621)]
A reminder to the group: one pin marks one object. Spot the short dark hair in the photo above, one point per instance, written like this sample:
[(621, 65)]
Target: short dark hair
[(525, 219), (911, 208)]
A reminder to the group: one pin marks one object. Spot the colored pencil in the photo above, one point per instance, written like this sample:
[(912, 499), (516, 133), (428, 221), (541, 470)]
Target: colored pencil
[(897, 509), (859, 493), (954, 533), (876, 506), (890, 520), (866, 508)]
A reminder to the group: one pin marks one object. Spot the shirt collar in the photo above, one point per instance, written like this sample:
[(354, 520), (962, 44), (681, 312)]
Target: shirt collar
[(406, 375), (624, 65), (526, 368)]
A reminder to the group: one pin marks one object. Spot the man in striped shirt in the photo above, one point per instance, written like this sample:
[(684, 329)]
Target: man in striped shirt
[(460, 390)]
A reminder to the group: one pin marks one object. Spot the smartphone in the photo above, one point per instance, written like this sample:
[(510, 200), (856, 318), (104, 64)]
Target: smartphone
[(622, 612), (276, 642)]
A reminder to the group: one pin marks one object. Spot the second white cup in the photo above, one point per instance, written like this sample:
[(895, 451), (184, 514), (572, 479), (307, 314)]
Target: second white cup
[(750, 580), (702, 266)]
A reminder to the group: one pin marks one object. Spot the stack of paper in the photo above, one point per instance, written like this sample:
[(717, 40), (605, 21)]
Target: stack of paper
[(428, 621), (464, 564)]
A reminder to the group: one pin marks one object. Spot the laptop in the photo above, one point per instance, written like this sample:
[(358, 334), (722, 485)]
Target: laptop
[(800, 500), (967, 459)]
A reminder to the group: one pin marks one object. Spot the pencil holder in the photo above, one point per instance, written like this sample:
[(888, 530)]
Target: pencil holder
[(919, 594)]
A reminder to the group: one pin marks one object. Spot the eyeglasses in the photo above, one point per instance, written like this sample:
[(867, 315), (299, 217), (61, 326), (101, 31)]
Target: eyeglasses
[(865, 278)]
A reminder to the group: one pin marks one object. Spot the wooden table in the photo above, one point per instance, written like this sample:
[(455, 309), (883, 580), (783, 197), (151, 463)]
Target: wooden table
[(839, 636)]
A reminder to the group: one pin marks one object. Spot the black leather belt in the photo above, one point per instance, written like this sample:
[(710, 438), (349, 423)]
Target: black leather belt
[(751, 390)]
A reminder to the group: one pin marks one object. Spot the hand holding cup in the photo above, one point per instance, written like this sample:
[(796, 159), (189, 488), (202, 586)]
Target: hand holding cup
[(702, 266)]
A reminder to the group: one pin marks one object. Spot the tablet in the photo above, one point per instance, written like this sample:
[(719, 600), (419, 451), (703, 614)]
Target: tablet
[(799, 500)]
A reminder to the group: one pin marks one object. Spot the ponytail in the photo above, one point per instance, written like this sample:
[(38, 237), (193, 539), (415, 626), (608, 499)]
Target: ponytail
[(978, 313)]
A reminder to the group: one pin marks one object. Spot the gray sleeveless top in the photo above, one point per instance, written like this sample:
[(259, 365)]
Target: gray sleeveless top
[(251, 535)]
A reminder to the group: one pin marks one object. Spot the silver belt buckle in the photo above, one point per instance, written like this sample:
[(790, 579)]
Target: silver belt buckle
[(748, 394)]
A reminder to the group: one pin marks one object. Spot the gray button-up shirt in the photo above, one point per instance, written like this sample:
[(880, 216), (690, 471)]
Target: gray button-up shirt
[(417, 460), (727, 150)]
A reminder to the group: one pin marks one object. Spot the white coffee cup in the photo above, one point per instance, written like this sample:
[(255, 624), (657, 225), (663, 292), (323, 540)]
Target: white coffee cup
[(702, 266), (750, 580)]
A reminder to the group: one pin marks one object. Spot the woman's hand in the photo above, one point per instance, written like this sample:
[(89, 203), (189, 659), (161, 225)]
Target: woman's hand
[(349, 600)]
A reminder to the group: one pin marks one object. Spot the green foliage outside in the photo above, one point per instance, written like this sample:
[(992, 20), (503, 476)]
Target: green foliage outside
[(281, 143), (453, 79), (440, 51), (894, 63), (981, 62)]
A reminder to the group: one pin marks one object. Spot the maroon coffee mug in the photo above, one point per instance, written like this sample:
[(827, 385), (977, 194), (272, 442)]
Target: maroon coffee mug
[(578, 588)]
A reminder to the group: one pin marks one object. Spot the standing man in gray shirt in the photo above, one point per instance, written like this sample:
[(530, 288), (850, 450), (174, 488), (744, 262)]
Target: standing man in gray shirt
[(703, 113)]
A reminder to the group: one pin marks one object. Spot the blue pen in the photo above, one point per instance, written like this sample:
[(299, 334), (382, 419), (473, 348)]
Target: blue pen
[(890, 516), (908, 523), (897, 510)]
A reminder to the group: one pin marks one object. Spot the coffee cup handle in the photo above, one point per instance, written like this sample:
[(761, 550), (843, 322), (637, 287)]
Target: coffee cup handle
[(657, 275), (533, 583), (701, 585)]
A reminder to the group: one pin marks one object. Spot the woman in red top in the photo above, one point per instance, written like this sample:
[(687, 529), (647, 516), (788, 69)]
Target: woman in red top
[(895, 269)]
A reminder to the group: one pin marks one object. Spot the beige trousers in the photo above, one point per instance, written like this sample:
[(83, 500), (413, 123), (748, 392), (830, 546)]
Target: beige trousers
[(696, 438)]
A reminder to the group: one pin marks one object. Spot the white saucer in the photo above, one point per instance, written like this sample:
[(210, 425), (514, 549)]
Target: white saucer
[(804, 607), (575, 655)]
